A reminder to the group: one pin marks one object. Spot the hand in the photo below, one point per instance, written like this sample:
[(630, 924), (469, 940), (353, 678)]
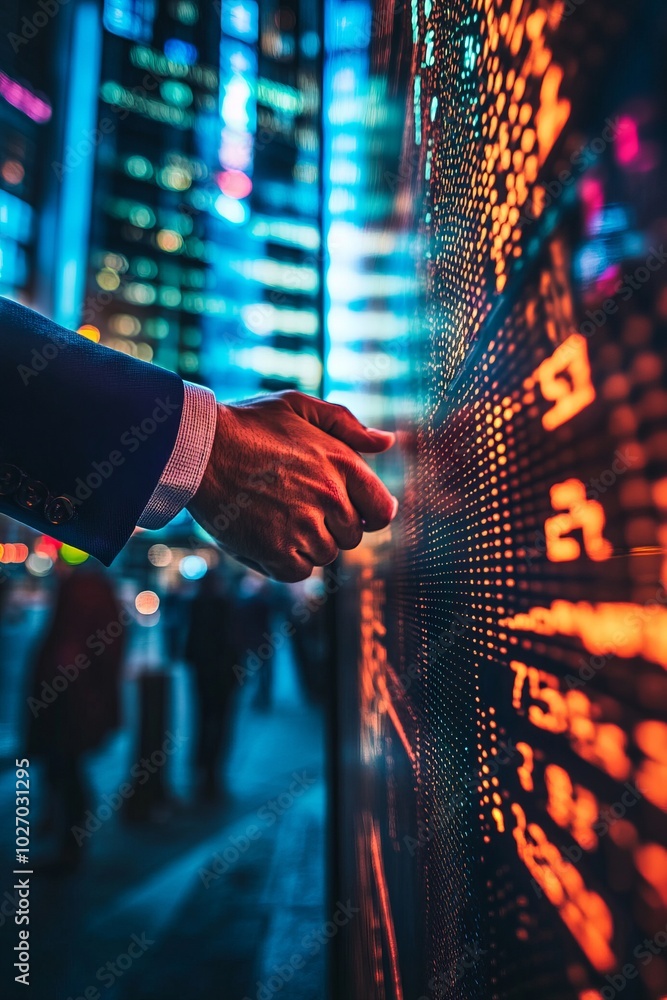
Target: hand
[(285, 489)]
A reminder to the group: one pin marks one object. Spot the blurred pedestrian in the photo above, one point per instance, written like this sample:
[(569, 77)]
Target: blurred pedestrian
[(83, 671), (255, 609), (212, 649)]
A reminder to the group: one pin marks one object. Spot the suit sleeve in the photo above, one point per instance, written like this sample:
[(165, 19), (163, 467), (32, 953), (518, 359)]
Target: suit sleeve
[(86, 432)]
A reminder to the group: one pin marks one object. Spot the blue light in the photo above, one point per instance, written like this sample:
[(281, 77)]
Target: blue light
[(193, 567), (240, 19), (178, 51), (76, 190), (232, 210), (13, 266), (349, 25), (310, 45), (15, 218), (130, 18)]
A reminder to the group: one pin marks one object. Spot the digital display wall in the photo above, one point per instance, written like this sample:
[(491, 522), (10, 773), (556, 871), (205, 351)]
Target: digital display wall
[(497, 288)]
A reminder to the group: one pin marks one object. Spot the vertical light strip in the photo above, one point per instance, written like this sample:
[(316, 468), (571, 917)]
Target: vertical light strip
[(75, 202)]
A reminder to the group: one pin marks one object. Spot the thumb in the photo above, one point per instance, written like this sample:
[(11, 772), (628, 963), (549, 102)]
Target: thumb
[(340, 423)]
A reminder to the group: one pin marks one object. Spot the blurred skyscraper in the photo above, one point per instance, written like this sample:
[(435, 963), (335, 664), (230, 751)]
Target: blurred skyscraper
[(160, 181), (281, 328), (28, 91)]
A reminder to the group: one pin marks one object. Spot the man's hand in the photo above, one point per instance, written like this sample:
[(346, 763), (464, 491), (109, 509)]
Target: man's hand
[(285, 489)]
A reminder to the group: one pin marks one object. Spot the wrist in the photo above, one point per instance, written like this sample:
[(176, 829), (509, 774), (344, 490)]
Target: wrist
[(214, 473)]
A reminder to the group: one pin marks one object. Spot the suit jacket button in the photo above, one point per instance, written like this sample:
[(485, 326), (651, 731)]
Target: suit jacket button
[(31, 494), (60, 511), (10, 479)]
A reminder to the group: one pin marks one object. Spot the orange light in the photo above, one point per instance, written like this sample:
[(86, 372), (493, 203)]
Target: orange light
[(601, 743), (147, 602), (13, 552), (525, 770), (625, 630), (573, 807), (651, 863), (660, 498), (588, 515), (90, 332), (584, 913), (169, 240), (651, 738), (13, 172), (565, 379)]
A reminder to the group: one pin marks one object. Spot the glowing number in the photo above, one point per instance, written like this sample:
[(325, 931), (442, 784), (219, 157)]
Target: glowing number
[(651, 738), (571, 806), (525, 771), (565, 379), (603, 744), (554, 717), (521, 671), (579, 512), (584, 913), (600, 743)]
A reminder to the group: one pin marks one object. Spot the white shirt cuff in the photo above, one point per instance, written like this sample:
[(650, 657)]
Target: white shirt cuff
[(185, 469)]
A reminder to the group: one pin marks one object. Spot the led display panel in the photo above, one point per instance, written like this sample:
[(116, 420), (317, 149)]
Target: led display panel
[(497, 290)]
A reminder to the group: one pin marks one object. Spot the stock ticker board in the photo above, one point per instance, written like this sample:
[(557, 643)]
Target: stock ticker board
[(502, 786)]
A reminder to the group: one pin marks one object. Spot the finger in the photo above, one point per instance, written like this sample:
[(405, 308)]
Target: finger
[(291, 569), (370, 497), (340, 423), (345, 525), (323, 552)]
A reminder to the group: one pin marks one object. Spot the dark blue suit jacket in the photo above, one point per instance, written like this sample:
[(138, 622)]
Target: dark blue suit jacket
[(85, 432)]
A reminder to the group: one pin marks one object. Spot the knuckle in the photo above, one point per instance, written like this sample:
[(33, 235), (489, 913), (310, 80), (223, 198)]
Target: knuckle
[(330, 555), (355, 537), (292, 569)]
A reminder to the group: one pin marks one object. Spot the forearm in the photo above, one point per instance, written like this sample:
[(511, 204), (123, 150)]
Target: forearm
[(86, 432)]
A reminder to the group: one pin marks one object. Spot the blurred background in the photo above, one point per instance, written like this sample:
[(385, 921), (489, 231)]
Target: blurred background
[(166, 185)]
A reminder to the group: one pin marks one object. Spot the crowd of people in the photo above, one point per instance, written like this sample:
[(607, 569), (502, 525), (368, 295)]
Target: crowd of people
[(217, 633)]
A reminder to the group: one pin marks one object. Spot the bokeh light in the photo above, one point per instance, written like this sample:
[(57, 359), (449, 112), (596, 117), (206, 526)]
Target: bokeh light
[(147, 602)]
